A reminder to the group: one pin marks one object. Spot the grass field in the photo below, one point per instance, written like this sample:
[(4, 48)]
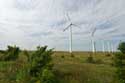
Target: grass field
[(69, 69), (77, 70)]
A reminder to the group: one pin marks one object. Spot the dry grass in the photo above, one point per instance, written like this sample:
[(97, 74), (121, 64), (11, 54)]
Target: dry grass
[(76, 70), (69, 69)]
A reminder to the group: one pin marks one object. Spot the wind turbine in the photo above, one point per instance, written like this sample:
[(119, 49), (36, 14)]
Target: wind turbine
[(92, 40), (112, 47), (103, 46), (109, 46), (70, 26)]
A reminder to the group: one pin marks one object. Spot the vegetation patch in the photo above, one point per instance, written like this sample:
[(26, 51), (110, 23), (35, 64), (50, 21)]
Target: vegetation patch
[(119, 61)]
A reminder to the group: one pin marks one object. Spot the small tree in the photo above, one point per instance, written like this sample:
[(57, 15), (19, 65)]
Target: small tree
[(40, 65), (120, 62), (11, 53), (40, 60), (122, 47)]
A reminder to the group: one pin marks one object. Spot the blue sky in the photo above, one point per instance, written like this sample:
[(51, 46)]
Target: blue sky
[(28, 23)]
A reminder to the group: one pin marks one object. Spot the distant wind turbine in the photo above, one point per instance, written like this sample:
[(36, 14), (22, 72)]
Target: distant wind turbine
[(112, 47), (93, 41), (109, 46), (103, 46), (70, 26)]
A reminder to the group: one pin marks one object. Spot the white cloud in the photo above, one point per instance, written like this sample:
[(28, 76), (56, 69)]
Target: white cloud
[(28, 23)]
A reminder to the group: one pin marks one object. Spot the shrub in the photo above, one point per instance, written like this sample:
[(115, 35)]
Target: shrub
[(72, 55), (119, 61), (99, 61), (62, 56), (40, 65), (47, 76), (11, 53), (108, 55), (40, 60), (122, 47), (90, 59), (22, 75)]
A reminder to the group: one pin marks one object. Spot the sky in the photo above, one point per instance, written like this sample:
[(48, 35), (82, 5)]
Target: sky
[(29, 23)]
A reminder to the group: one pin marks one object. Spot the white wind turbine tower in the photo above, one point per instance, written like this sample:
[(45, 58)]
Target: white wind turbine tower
[(93, 41), (112, 46), (109, 46), (70, 26), (103, 46)]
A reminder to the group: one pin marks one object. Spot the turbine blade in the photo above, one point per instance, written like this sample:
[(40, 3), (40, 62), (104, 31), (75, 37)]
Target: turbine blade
[(93, 31), (76, 25), (66, 28), (65, 17), (68, 17)]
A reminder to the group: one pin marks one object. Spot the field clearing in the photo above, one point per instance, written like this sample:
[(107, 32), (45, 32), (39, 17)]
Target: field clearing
[(77, 70), (69, 69)]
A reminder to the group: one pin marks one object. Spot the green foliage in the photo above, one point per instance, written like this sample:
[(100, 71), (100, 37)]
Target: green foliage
[(27, 55), (99, 61), (119, 61), (11, 53), (90, 59), (40, 60), (22, 75), (40, 65), (72, 55), (48, 76), (2, 51), (108, 55), (122, 47), (66, 70), (62, 56)]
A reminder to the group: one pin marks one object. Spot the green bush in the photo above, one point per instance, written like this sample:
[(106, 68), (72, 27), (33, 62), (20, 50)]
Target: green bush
[(39, 60), (40, 65), (122, 47), (62, 56), (99, 61), (90, 60), (108, 55), (11, 53), (22, 75), (72, 55), (47, 76), (119, 61)]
